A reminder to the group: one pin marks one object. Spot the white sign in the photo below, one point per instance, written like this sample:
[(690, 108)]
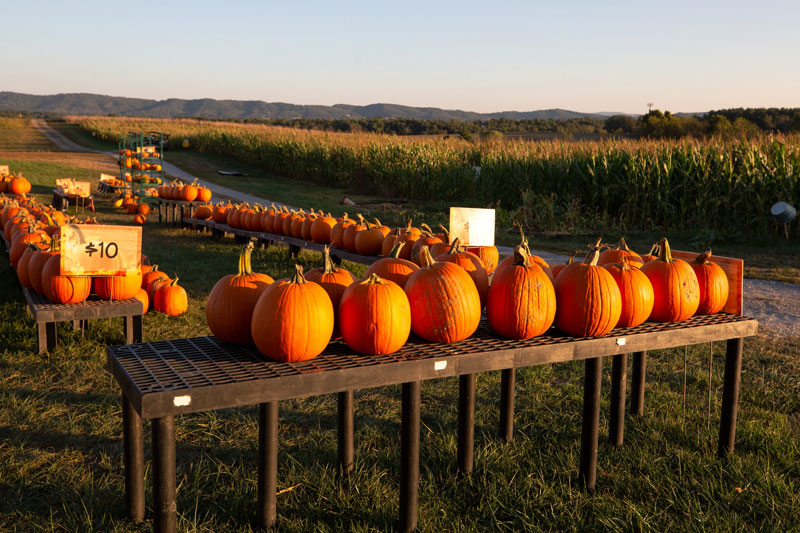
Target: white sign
[(474, 227)]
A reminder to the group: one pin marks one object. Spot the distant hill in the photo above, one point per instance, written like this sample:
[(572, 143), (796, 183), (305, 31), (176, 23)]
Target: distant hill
[(97, 104)]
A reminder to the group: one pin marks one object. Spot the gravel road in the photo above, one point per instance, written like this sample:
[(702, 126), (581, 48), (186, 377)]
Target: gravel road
[(775, 305)]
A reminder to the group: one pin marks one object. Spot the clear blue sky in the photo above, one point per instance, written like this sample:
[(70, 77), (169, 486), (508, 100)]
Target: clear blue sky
[(480, 56)]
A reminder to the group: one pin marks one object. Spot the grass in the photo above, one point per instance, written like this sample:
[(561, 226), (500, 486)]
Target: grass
[(16, 134), (61, 443)]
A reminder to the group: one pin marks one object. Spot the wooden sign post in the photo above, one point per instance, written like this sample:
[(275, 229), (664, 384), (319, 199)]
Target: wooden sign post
[(97, 250), (474, 227)]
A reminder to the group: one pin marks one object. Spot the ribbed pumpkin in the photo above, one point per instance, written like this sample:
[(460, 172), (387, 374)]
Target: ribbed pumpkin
[(334, 280), (293, 320), (556, 269), (19, 185), (277, 222), (308, 223), (171, 299), (636, 291), (610, 256), (589, 303), (220, 213), (471, 264), (63, 289), (489, 256), (203, 212), (118, 287), (23, 274), (22, 240), (675, 286), (321, 229), (375, 316), (337, 231), (229, 309), (532, 258), (370, 240), (393, 268), (522, 300), (152, 274), (349, 236), (37, 263), (389, 242), (445, 305), (713, 284), (152, 287)]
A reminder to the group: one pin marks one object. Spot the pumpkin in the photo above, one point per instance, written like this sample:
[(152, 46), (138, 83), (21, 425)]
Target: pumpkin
[(375, 316), (171, 299), (139, 220), (334, 280), (445, 305), (636, 291), (652, 255), (337, 231), (19, 185), (21, 241), (220, 213), (229, 309), (471, 264), (675, 286), (556, 269), (614, 255), (321, 229), (308, 223), (203, 212), (153, 286), (267, 218), (143, 209), (23, 273), (522, 300), (141, 295), (293, 319), (489, 256), (151, 275), (203, 194), (393, 268), (533, 258), (713, 284), (349, 236), (189, 192), (36, 266), (427, 238), (63, 289), (389, 242), (295, 227), (369, 241), (588, 301), (118, 287)]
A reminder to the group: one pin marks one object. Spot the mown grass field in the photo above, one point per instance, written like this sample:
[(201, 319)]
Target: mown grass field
[(61, 442)]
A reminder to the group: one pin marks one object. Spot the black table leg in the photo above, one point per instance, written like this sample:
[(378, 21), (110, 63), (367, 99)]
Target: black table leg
[(267, 464), (637, 383), (409, 456), (593, 373), (137, 328), (164, 504), (345, 429), (159, 211), (730, 396), (47, 336), (466, 422), (508, 379), (616, 421), (294, 251), (133, 458)]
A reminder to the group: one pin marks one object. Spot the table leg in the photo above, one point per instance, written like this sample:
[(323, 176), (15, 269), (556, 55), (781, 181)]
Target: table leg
[(637, 383), (164, 505), (616, 421), (409, 456), (466, 423), (47, 336), (133, 458), (730, 396), (267, 464), (294, 251), (127, 328), (159, 211), (593, 373), (508, 378), (345, 429)]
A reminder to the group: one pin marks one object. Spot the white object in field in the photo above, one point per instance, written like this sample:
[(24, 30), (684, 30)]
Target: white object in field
[(347, 201), (474, 227), (782, 212)]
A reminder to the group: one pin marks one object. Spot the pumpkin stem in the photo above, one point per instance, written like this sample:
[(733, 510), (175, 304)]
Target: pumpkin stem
[(622, 245), (377, 222), (654, 250), (329, 267), (395, 252), (298, 277), (572, 257), (426, 228), (664, 254), (703, 258), (244, 259), (594, 252), (455, 247), (521, 256), (374, 279), (623, 262), (425, 258), (174, 282)]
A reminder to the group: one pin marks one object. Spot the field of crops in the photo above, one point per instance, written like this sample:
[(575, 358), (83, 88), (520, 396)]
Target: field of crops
[(727, 187)]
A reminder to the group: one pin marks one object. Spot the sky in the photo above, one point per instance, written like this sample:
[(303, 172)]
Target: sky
[(486, 56)]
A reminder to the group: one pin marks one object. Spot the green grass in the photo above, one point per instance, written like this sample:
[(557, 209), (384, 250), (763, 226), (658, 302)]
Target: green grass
[(61, 443), (19, 135)]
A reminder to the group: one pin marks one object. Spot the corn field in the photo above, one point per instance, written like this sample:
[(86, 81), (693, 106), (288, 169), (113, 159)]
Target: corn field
[(704, 184)]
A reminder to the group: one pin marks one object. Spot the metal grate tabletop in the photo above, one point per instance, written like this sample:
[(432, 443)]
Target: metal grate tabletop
[(209, 374)]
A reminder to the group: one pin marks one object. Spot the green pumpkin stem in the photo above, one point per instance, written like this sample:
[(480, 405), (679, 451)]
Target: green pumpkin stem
[(425, 258), (521, 256), (395, 252), (298, 277), (245, 268), (664, 253)]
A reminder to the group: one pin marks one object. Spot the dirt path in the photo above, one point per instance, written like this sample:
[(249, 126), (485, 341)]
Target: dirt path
[(775, 305)]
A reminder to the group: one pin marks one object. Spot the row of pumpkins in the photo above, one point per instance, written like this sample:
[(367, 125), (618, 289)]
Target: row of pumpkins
[(177, 190), (442, 298), (32, 232), (16, 184), (356, 235)]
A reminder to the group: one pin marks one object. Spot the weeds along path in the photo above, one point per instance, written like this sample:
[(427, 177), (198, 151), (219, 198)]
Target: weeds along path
[(775, 305), (218, 190)]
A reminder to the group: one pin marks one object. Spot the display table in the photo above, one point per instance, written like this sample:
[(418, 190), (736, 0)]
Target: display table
[(161, 380), (62, 201), (177, 208)]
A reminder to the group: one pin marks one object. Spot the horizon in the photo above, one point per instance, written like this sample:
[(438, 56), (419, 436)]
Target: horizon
[(682, 57)]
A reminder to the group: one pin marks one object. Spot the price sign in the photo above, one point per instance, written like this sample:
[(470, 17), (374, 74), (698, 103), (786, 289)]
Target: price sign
[(474, 227), (107, 177), (4, 170), (74, 188), (96, 250)]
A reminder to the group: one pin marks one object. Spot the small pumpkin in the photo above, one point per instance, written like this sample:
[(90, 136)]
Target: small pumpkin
[(713, 283), (489, 256), (369, 241), (675, 287), (610, 256), (321, 229), (141, 295), (375, 316), (393, 268), (556, 269), (171, 299)]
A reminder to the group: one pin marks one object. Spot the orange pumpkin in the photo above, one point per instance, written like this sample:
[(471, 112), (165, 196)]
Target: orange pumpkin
[(489, 256), (141, 295), (471, 264), (118, 287), (370, 240), (614, 255), (334, 280), (393, 268), (556, 269), (675, 286), (293, 320), (522, 300), (171, 299), (636, 291), (63, 289), (713, 284), (321, 229), (229, 309), (337, 231), (375, 316)]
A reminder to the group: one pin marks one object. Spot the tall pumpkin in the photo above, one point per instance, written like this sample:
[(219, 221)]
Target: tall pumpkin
[(675, 287), (393, 268), (293, 320), (636, 291), (375, 316), (589, 303), (229, 309), (522, 300), (713, 284), (445, 305)]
